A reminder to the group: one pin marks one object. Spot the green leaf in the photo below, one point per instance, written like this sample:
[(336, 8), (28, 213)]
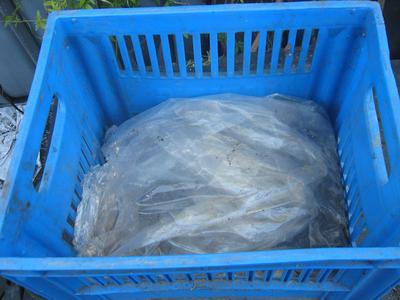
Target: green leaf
[(239, 47), (118, 3), (54, 5), (86, 4), (40, 22), (8, 20)]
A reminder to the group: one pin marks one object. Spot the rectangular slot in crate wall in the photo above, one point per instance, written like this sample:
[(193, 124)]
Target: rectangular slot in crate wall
[(318, 281), (214, 54), (191, 63)]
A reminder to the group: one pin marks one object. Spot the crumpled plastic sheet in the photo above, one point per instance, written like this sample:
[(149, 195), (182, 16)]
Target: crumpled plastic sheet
[(214, 174), (10, 119)]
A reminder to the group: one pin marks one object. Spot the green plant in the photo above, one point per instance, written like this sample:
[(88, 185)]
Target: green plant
[(14, 17), (222, 38), (55, 5), (239, 47), (40, 22), (165, 2), (117, 3)]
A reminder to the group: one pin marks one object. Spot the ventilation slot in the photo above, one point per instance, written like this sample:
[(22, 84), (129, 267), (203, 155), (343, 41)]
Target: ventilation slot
[(288, 277), (85, 162), (131, 53), (169, 278), (357, 226), (380, 155), (255, 43), (189, 56), (323, 274), (268, 51), (173, 53), (239, 275), (283, 50), (158, 53), (45, 144), (305, 43), (276, 50), (200, 276), (145, 53), (87, 152), (214, 54), (357, 222), (296, 51), (117, 52), (226, 50), (131, 278), (239, 52), (314, 275), (277, 275), (166, 56), (71, 221), (73, 206), (205, 54), (116, 280), (67, 237), (139, 55), (381, 133), (311, 49), (222, 54), (152, 52), (334, 275), (246, 52), (86, 158), (295, 275)]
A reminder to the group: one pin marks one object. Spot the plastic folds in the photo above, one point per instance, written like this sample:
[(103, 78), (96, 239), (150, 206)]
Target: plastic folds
[(215, 174)]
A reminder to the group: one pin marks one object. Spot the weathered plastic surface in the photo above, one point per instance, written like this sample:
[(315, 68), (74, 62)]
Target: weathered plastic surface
[(349, 74)]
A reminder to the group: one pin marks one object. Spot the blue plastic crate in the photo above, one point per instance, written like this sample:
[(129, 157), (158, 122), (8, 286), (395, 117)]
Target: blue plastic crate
[(103, 66)]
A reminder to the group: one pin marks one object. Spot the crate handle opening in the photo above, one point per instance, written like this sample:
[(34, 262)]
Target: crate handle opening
[(45, 144), (380, 154)]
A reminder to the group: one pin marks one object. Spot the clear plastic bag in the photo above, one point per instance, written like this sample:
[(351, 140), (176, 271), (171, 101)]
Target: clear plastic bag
[(215, 174), (10, 119)]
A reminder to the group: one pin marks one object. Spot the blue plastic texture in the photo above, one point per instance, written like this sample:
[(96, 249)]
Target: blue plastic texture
[(106, 65)]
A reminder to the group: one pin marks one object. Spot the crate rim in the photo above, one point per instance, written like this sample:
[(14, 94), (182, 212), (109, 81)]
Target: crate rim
[(348, 257), (277, 6)]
